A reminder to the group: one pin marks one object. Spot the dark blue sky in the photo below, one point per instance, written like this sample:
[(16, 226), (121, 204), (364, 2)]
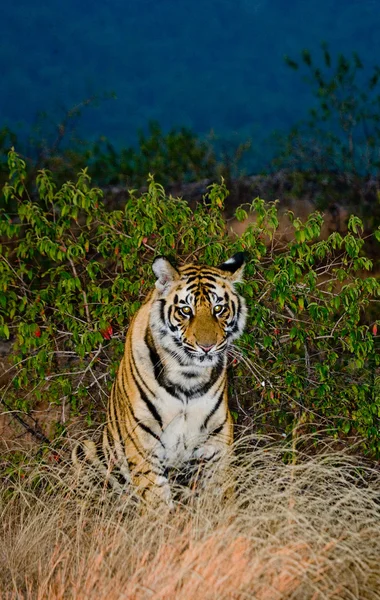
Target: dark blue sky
[(206, 64)]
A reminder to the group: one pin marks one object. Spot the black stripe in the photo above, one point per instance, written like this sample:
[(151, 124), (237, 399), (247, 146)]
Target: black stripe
[(136, 369), (80, 452), (148, 430), (152, 409), (238, 311), (114, 471), (210, 458), (118, 475), (235, 326), (114, 421), (153, 355), (214, 409), (142, 451), (144, 427), (189, 375), (151, 480), (139, 450), (170, 312), (219, 428), (190, 270), (208, 277), (135, 468), (162, 309), (140, 473), (204, 388)]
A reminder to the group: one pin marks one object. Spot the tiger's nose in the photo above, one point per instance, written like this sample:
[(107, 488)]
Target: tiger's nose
[(206, 349)]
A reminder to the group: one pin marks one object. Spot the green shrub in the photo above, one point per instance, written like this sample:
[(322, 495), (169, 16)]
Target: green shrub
[(72, 274), (177, 156), (342, 133), (7, 140), (334, 153)]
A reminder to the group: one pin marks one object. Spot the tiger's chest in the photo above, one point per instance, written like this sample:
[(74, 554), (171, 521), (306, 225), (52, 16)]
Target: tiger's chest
[(184, 431)]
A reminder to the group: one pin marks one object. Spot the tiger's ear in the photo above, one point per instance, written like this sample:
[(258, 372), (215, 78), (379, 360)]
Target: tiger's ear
[(234, 267), (165, 273)]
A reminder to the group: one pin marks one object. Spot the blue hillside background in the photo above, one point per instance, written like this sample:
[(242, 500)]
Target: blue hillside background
[(205, 64)]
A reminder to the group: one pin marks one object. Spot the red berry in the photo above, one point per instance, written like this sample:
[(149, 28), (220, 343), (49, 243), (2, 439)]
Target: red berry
[(107, 333), (37, 333)]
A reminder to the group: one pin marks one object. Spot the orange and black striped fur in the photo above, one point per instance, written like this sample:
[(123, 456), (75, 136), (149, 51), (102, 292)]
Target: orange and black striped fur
[(168, 405)]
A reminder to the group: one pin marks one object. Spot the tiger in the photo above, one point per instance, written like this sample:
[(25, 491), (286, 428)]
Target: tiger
[(168, 406)]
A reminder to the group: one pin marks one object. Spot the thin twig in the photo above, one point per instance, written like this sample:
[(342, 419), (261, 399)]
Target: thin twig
[(83, 292), (88, 368), (37, 433), (125, 235), (306, 349)]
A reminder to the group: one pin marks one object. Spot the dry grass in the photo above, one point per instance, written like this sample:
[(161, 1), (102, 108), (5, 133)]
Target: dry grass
[(306, 530)]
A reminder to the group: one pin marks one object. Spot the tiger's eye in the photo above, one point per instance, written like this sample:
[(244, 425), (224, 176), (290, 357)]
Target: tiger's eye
[(218, 309), (186, 310)]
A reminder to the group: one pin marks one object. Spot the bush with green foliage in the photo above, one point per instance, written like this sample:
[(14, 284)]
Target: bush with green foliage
[(72, 273), (337, 146), (178, 156), (343, 129)]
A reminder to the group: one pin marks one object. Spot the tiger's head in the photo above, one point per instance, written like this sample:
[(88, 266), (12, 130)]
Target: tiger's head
[(196, 311)]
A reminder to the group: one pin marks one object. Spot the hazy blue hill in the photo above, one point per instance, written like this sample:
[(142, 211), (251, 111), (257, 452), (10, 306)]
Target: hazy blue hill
[(201, 63)]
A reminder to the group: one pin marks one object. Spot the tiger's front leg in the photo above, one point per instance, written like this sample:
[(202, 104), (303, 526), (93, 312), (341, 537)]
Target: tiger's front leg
[(149, 479), (213, 465)]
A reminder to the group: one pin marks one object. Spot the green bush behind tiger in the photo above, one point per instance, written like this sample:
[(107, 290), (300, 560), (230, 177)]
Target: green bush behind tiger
[(73, 274)]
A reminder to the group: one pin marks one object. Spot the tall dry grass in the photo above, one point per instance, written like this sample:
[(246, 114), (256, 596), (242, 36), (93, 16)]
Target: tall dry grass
[(305, 530)]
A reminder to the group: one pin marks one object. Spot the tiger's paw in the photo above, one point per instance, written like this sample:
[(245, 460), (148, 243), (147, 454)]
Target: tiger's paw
[(206, 453), (158, 495)]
